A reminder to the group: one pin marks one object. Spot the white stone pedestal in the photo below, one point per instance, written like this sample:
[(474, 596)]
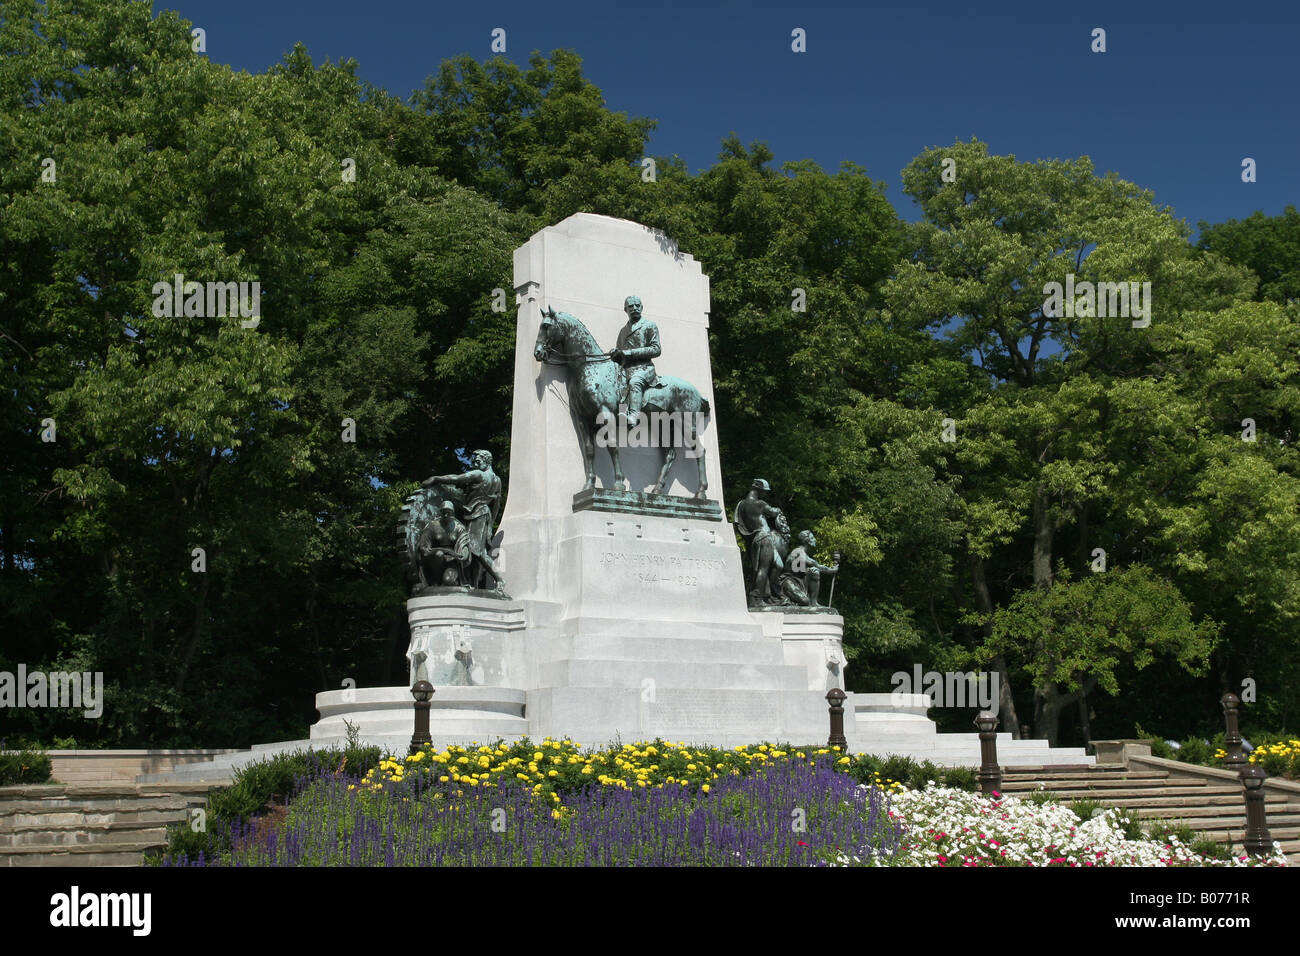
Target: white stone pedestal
[(811, 640), (464, 640)]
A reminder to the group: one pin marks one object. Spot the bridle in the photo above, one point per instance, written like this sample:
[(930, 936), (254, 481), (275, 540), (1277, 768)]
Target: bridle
[(549, 356)]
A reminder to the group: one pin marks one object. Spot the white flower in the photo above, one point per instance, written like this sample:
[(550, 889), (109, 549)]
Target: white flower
[(950, 827)]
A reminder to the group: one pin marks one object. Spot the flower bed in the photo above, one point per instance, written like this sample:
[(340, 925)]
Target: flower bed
[(948, 827), (790, 813), (1279, 759), (668, 804)]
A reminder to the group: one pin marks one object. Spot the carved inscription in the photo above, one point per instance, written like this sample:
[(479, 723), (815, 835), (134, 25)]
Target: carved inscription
[(653, 570)]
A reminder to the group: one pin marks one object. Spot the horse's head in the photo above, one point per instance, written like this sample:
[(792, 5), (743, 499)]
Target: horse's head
[(548, 335)]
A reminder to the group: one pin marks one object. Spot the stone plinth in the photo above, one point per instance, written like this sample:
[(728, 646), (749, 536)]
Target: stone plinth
[(460, 639), (812, 640), (456, 714), (631, 502)]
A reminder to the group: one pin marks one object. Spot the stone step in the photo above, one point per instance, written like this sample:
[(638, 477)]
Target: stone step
[(1031, 775), (672, 674), (105, 836), (1235, 804), (1277, 822), (1235, 834), (1109, 793), (702, 648), (119, 854), (1056, 785), (12, 822)]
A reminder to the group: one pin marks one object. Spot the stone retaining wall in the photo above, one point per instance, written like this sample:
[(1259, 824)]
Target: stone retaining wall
[(119, 766)]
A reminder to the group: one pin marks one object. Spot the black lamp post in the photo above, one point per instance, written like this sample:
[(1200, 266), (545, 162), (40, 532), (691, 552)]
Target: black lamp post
[(1232, 739), (1258, 841), (423, 694), (836, 699), (990, 775)]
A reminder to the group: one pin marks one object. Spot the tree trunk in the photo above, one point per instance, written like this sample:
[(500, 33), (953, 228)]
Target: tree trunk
[(315, 634), (1049, 702), (1006, 703), (1043, 532), (199, 608), (1085, 553), (1085, 724)]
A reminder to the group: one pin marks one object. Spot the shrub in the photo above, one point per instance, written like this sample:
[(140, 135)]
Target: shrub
[(1129, 824), (24, 766), (1085, 808), (257, 785), (1162, 830), (1204, 846), (895, 768)]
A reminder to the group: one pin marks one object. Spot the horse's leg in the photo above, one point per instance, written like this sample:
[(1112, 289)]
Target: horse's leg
[(620, 482), (589, 455), (689, 422), (663, 472)]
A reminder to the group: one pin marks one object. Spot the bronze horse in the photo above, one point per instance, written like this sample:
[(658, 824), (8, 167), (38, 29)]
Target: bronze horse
[(597, 385)]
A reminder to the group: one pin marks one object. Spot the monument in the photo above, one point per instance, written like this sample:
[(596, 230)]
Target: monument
[(614, 600)]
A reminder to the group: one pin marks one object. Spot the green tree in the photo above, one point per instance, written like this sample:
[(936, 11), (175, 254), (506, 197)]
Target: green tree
[(1076, 636), (1269, 246)]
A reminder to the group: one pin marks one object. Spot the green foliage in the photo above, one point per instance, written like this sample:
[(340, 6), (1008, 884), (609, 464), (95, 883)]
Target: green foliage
[(913, 774), (1207, 847), (1085, 808), (258, 785), (23, 766), (1042, 797), (1164, 829), (1131, 824), (1269, 246), (1196, 750), (1072, 433)]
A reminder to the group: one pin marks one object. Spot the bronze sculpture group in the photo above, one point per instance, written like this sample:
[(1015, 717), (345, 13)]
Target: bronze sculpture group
[(448, 527), (778, 576)]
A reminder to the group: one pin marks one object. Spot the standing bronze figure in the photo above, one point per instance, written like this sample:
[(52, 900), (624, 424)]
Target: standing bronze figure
[(481, 506)]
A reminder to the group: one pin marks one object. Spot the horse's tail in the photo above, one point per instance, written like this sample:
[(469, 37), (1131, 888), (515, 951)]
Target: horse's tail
[(704, 405)]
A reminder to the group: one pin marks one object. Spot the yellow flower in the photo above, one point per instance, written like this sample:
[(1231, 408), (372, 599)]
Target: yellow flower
[(705, 788)]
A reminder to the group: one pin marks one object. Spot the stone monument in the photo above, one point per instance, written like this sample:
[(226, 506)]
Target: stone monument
[(613, 602)]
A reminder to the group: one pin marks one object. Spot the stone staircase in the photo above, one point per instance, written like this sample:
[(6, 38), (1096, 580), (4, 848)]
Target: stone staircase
[(91, 824), (1206, 799)]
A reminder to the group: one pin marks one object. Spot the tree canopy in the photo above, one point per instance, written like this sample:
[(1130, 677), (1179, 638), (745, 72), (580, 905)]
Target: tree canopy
[(1104, 508)]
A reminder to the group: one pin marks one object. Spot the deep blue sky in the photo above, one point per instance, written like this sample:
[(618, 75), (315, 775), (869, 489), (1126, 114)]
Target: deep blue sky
[(1184, 92)]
